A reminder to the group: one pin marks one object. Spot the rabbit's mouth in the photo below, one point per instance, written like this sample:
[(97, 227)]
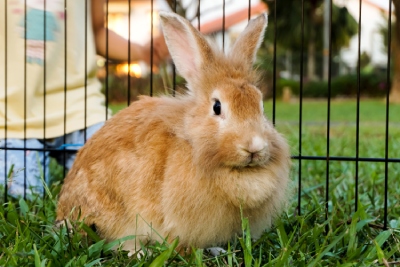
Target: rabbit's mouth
[(255, 160)]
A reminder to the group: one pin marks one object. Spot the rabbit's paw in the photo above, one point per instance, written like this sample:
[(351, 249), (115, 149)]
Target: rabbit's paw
[(216, 251)]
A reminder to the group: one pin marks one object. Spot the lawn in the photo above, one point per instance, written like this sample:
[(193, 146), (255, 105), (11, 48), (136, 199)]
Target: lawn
[(328, 231)]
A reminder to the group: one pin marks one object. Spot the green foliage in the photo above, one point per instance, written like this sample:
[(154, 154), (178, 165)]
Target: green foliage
[(372, 84), (117, 89), (283, 83), (288, 24), (115, 85)]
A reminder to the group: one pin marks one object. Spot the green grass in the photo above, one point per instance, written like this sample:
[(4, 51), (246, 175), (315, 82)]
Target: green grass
[(341, 111), (338, 236)]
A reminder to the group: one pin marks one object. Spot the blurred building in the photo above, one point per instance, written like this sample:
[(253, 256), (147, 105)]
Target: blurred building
[(374, 14)]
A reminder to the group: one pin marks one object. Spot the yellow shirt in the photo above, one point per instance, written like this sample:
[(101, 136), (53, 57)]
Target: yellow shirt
[(43, 80)]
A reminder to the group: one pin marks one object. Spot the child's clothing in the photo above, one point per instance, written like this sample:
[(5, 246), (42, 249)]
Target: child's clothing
[(37, 161), (48, 84)]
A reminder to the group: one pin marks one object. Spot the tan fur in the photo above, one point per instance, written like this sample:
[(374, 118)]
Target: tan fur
[(170, 167)]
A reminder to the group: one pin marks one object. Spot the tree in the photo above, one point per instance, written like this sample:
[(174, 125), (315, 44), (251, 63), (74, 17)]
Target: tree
[(395, 89), (181, 9), (288, 27), (177, 6)]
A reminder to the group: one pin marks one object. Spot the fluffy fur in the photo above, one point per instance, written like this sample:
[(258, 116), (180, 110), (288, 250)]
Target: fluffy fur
[(172, 167)]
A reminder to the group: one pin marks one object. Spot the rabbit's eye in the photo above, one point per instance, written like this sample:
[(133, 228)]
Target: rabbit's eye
[(217, 107)]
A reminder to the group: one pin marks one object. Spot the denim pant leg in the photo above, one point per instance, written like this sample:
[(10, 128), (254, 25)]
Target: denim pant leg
[(22, 170), (73, 141)]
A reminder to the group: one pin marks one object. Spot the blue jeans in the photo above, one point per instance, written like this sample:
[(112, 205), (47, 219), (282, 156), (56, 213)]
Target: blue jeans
[(22, 169)]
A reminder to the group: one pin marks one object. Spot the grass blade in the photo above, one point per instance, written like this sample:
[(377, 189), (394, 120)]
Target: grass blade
[(326, 250), (164, 256)]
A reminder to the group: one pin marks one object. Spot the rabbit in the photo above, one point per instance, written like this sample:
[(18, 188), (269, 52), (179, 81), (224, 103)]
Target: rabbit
[(188, 166)]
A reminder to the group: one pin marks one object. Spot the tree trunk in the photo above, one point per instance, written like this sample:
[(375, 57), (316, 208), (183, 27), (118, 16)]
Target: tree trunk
[(311, 43), (394, 96), (395, 90), (326, 34), (311, 57)]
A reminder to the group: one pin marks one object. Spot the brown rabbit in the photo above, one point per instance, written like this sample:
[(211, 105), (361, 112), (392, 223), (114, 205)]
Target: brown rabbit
[(185, 166)]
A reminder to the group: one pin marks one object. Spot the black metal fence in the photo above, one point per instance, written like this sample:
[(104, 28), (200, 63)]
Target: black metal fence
[(300, 157)]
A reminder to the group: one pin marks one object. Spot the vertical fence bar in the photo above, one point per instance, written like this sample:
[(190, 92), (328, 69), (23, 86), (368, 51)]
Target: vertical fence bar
[(328, 114), (25, 90), (151, 47), (385, 210), (223, 26), (5, 101), (44, 93), (173, 65), (107, 62), (198, 15), (274, 70), (301, 108), (86, 72), (358, 105), (249, 11), (129, 53), (65, 87)]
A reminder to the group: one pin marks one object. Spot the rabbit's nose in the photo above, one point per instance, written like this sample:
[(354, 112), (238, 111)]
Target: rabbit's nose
[(256, 145)]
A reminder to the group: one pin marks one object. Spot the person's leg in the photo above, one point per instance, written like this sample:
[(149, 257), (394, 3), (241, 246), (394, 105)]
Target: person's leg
[(23, 170), (73, 141)]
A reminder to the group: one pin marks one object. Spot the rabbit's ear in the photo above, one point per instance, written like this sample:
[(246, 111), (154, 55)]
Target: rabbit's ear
[(248, 42), (188, 48)]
